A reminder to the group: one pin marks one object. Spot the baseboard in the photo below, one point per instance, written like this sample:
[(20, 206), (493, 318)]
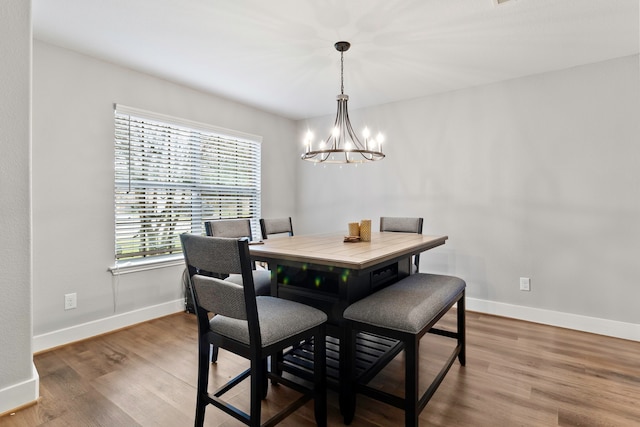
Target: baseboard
[(101, 326), (20, 395), (612, 328), (629, 331)]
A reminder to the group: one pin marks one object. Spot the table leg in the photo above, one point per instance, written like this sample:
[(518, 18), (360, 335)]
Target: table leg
[(347, 395)]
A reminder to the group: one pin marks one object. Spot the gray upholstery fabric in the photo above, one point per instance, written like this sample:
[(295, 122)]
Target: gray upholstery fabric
[(404, 225), (278, 318), (223, 259), (278, 225), (408, 305), (240, 228), (229, 228), (261, 281), (220, 296), (400, 224)]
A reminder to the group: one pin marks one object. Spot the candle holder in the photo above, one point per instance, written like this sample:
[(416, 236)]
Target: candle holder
[(365, 230), (354, 229)]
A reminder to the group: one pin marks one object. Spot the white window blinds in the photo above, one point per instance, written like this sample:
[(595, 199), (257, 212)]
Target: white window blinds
[(171, 175)]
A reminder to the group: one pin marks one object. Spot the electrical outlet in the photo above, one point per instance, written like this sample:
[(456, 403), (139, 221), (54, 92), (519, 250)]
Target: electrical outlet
[(70, 301), (525, 284)]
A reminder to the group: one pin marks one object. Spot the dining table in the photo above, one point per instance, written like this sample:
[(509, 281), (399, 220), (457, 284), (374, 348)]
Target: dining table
[(328, 272)]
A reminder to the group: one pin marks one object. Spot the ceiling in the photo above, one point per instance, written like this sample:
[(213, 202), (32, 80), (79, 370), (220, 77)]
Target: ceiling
[(278, 55)]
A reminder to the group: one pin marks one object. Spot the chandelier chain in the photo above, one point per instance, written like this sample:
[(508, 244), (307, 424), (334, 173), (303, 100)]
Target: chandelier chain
[(342, 73)]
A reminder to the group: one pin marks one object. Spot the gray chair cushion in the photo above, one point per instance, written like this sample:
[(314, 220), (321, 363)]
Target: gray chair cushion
[(278, 225), (408, 305), (261, 281), (404, 225), (401, 224), (220, 296), (221, 257), (279, 319), (229, 228)]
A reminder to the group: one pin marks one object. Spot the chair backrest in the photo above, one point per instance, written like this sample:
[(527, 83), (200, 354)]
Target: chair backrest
[(228, 228), (403, 225), (208, 258), (276, 226)]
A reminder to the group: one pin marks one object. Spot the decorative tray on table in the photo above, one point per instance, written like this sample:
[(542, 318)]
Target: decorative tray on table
[(351, 239)]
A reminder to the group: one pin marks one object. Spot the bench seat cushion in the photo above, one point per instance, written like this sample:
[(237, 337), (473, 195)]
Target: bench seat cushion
[(408, 305)]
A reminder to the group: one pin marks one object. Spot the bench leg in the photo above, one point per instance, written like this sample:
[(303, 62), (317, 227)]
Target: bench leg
[(462, 338), (412, 368)]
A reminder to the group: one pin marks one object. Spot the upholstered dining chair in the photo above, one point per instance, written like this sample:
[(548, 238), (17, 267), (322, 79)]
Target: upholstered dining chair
[(251, 326), (240, 228), (275, 226), (236, 228), (229, 228), (403, 225)]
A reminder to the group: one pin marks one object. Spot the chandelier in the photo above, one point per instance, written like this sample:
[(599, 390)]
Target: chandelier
[(343, 145)]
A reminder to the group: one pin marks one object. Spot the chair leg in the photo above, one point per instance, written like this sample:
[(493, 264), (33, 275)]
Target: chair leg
[(256, 391), (411, 382), (203, 382), (320, 374), (276, 365), (214, 354), (462, 331), (264, 382)]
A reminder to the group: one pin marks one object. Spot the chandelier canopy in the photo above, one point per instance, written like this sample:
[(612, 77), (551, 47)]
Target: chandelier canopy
[(343, 144)]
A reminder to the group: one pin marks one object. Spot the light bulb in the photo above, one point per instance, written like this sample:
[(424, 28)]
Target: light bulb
[(365, 133), (348, 146), (380, 139), (336, 132), (307, 141)]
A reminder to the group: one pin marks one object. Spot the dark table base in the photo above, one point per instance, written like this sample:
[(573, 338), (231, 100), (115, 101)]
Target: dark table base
[(373, 352)]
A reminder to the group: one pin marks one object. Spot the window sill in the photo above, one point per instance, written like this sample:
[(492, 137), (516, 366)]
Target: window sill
[(135, 266)]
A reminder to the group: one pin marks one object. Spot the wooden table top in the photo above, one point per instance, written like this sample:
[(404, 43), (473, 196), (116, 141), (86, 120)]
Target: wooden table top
[(331, 250)]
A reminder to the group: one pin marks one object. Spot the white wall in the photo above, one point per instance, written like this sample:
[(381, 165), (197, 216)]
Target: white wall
[(73, 219), (18, 377), (536, 177), (533, 177)]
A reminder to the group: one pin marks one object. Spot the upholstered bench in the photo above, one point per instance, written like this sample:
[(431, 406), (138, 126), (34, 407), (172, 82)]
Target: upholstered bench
[(405, 311)]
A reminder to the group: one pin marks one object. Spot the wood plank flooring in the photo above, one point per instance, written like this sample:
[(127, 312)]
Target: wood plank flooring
[(517, 374)]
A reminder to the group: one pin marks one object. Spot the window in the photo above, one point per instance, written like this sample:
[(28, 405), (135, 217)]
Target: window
[(171, 175)]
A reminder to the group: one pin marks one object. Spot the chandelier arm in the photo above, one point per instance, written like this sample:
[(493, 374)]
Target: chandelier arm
[(336, 125), (340, 125), (364, 154), (354, 137)]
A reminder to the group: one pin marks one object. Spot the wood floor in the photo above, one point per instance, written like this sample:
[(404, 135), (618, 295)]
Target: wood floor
[(517, 374)]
